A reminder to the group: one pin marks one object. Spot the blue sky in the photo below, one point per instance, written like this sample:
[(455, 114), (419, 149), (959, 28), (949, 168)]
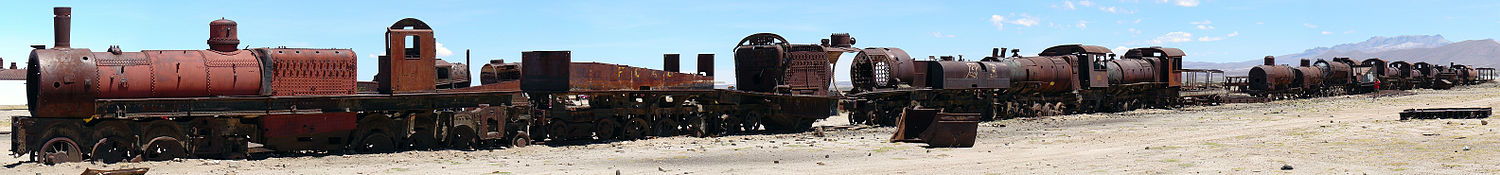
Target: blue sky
[(638, 32)]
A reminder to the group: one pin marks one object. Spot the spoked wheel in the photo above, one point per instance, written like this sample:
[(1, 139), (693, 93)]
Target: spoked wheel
[(163, 148), (750, 122), (636, 128), (113, 149), (667, 127), (60, 150), (520, 139), (375, 143), (607, 129)]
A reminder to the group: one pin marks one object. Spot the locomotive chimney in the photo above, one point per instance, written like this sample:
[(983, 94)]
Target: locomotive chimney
[(1306, 63), (1270, 60), (995, 53), (13, 65), (222, 35), (1002, 52), (1015, 52), (671, 62), (62, 27)]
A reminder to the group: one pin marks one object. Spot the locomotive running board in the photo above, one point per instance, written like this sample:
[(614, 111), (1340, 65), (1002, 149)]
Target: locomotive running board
[(1446, 113)]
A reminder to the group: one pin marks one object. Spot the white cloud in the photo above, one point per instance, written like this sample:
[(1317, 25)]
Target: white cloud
[(1121, 49), (1205, 27), (1086, 3), (1310, 25), (1326, 32), (1026, 20), (1138, 20), (941, 35), (1204, 22), (1115, 10), (443, 51), (1236, 33), (1209, 38), (1068, 5), (1023, 20), (1260, 22), (1082, 24), (1187, 3), (998, 21), (1133, 30), (1174, 37)]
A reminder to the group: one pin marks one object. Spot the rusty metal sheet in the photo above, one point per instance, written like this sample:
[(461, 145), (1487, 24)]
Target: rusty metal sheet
[(1270, 77), (499, 71), (605, 76), (1309, 77), (408, 69), (545, 70), (310, 71), (882, 68), (1335, 72), (1446, 113), (706, 64), (671, 62), (65, 78), (1044, 74), (952, 130), (1128, 71), (1074, 48)]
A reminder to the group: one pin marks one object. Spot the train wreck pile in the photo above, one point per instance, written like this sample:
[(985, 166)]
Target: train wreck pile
[(217, 102)]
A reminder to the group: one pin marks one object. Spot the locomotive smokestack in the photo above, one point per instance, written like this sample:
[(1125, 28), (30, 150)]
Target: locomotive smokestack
[(1015, 52), (222, 35), (62, 27), (995, 53), (1306, 63), (1270, 60), (1002, 52)]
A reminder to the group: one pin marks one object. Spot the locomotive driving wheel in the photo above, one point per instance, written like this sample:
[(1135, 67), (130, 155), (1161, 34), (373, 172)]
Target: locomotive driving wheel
[(163, 148), (607, 128), (60, 150), (636, 128), (112, 149), (376, 142), (667, 126)]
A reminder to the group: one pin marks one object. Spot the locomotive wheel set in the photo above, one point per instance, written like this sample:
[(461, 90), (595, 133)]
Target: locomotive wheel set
[(225, 102)]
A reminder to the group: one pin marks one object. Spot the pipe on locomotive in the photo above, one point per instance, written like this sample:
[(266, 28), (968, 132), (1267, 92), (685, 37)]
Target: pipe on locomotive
[(62, 27)]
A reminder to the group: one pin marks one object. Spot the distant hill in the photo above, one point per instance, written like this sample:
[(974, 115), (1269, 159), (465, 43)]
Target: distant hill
[(1412, 48)]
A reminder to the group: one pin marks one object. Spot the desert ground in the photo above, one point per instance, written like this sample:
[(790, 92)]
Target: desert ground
[(1353, 134)]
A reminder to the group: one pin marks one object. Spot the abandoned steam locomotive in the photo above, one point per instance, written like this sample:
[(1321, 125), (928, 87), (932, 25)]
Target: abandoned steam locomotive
[(1062, 79), (224, 102), (1341, 76)]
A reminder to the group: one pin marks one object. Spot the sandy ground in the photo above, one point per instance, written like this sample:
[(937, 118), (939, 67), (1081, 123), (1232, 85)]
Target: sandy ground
[(1335, 135)]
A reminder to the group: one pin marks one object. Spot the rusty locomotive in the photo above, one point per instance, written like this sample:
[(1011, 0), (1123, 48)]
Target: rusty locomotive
[(224, 102), (1340, 76), (1062, 79)]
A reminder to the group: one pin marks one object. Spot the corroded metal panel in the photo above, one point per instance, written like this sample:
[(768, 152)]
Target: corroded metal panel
[(545, 70), (311, 71), (408, 69)]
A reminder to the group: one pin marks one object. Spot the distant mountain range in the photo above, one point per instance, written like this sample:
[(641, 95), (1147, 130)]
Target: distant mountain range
[(1411, 48)]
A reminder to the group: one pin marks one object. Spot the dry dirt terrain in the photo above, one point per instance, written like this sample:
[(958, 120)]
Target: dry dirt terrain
[(1356, 134)]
